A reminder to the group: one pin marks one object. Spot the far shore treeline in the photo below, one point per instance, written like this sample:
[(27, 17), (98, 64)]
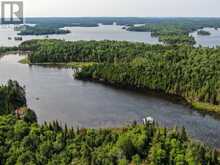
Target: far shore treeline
[(168, 30)]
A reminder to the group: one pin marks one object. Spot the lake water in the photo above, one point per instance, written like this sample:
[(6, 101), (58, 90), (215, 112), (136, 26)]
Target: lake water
[(88, 104), (109, 32), (212, 40), (106, 32)]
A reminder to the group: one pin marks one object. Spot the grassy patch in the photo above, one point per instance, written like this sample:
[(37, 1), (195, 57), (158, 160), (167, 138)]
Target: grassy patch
[(206, 107), (24, 61), (79, 64), (68, 65)]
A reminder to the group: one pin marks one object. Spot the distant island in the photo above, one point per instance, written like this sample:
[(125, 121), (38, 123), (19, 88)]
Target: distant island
[(37, 30), (84, 25), (203, 33)]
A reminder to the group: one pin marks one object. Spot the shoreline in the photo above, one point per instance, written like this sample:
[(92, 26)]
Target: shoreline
[(204, 108), (201, 107), (73, 65)]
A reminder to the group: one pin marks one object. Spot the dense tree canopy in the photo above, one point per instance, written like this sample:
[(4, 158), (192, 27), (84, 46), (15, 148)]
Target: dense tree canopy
[(177, 39), (28, 143), (176, 30), (12, 96), (4, 50), (37, 30), (86, 51)]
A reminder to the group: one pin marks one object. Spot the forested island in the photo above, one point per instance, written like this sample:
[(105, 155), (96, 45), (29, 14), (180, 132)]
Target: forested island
[(175, 29), (180, 70), (203, 33), (23, 141), (37, 30), (4, 50), (84, 25), (168, 32)]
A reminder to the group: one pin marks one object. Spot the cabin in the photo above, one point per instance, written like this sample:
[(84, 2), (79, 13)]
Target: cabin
[(148, 120)]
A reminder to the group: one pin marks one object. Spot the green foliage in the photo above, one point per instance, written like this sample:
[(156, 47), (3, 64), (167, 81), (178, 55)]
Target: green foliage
[(4, 50), (26, 143), (38, 30), (12, 96), (30, 116), (176, 30), (177, 39), (192, 73), (136, 160), (24, 61), (203, 33), (58, 51), (206, 106)]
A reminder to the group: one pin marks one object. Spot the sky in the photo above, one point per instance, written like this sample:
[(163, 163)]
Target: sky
[(122, 8)]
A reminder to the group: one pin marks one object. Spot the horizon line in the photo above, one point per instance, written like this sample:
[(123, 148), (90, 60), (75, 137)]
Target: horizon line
[(122, 17)]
